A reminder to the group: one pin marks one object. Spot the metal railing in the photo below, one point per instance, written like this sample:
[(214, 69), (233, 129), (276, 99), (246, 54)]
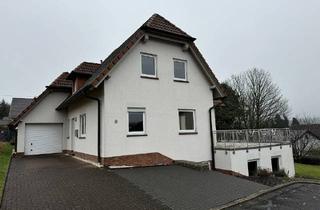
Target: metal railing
[(231, 139)]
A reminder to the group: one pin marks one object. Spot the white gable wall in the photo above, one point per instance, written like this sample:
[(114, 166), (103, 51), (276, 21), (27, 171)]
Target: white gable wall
[(161, 99), (44, 112)]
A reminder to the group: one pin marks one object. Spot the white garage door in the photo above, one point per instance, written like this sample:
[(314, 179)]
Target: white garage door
[(43, 139)]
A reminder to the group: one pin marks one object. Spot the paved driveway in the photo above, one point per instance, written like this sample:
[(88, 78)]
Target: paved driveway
[(296, 196), (62, 182), (183, 188)]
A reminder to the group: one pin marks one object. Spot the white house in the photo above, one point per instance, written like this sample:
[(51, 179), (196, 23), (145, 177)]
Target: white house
[(149, 102)]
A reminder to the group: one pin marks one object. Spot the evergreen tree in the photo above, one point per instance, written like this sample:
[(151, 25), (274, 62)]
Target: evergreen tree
[(4, 109), (228, 116)]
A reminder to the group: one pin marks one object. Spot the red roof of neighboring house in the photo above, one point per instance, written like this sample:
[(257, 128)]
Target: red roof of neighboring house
[(155, 25)]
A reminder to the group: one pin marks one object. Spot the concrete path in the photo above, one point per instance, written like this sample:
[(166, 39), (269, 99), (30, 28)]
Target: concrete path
[(183, 188)]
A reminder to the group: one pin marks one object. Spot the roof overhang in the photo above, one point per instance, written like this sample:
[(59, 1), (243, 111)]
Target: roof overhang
[(80, 93)]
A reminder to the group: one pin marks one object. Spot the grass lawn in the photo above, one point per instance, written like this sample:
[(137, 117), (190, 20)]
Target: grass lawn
[(307, 171), (5, 153)]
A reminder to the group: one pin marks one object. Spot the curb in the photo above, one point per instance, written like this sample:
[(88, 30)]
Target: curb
[(263, 192), (5, 181)]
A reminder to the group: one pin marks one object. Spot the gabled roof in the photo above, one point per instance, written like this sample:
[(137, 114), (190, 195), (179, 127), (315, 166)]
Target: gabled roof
[(313, 129), (155, 25), (159, 23), (85, 68), (59, 84), (18, 105)]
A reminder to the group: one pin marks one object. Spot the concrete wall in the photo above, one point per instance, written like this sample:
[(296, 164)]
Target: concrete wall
[(44, 112), (161, 99), (238, 161)]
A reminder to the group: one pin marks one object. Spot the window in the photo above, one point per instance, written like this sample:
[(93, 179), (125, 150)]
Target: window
[(187, 121), (83, 125), (136, 121), (180, 70), (148, 65)]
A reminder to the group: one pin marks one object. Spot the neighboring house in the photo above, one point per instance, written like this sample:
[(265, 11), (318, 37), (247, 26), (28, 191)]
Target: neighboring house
[(146, 104), (149, 102), (4, 131), (306, 137), (18, 105)]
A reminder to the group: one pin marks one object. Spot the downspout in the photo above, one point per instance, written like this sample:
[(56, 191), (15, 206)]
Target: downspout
[(213, 166), (99, 123)]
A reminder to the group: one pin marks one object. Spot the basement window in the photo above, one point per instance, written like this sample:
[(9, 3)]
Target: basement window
[(253, 167), (148, 65), (136, 122)]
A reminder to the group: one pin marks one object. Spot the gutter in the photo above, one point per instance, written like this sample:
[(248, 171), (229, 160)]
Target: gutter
[(99, 123)]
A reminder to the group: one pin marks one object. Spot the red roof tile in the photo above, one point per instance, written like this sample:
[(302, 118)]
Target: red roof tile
[(158, 22), (61, 81), (86, 68)]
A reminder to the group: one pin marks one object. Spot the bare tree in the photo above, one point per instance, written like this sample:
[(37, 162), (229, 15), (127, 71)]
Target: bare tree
[(259, 97)]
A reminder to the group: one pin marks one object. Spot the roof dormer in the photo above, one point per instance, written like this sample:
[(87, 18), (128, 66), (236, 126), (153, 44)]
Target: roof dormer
[(81, 74)]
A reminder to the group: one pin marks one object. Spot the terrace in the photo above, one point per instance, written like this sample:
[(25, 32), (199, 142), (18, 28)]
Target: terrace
[(251, 138)]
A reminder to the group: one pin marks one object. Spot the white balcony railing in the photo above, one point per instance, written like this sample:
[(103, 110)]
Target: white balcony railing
[(248, 138)]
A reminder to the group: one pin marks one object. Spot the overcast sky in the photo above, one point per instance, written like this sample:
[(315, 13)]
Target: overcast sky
[(41, 39)]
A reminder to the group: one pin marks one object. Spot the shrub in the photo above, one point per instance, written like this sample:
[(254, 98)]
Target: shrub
[(264, 172), (280, 173), (311, 160)]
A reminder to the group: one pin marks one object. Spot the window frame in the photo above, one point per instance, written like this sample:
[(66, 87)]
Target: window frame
[(194, 130), (155, 65), (82, 120), (185, 70), (137, 133)]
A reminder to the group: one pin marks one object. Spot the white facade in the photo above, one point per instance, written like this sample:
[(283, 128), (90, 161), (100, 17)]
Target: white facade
[(84, 143), (237, 161), (43, 113), (161, 98)]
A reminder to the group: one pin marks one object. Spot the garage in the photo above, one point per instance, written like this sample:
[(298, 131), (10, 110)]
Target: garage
[(43, 139)]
